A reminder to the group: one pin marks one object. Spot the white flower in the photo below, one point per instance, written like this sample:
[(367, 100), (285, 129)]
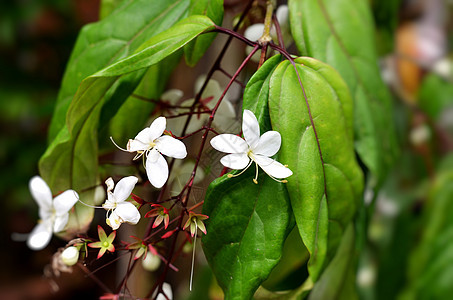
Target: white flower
[(53, 214), (153, 144), (120, 210), (254, 148), (166, 288)]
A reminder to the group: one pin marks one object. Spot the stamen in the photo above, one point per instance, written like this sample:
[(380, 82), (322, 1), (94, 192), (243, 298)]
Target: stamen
[(235, 175), (255, 180), (111, 138), (93, 206), (193, 257)]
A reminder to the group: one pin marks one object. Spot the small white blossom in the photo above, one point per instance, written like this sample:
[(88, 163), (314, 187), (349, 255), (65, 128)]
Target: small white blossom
[(254, 148), (53, 213), (153, 144), (120, 210)]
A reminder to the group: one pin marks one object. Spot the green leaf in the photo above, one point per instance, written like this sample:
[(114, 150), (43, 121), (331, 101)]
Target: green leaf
[(152, 86), (111, 39), (435, 95), (317, 145), (431, 264), (340, 33), (338, 280), (212, 9), (247, 226), (71, 159), (256, 93), (108, 6)]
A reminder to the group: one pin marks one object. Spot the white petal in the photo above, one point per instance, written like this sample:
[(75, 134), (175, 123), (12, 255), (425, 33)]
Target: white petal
[(110, 184), (254, 32), (153, 155), (128, 213), (282, 15), (236, 161), (229, 143), (166, 287), (114, 221), (157, 128), (226, 109), (60, 222), (268, 144), (136, 145), (171, 147), (65, 201), (157, 171), (145, 137), (172, 96), (124, 188), (40, 236), (250, 128), (41, 192), (272, 167)]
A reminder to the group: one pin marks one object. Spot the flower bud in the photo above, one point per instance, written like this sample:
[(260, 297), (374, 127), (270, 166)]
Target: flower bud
[(70, 256), (151, 262)]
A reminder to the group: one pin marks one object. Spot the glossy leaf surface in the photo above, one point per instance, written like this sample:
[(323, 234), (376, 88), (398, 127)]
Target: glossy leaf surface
[(247, 226), (317, 145), (341, 33)]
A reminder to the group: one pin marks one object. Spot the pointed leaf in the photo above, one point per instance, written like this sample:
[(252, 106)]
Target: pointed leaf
[(71, 159), (247, 226), (341, 33), (111, 39), (317, 145)]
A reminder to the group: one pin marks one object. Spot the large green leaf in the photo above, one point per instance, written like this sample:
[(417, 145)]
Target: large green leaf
[(71, 159), (338, 280), (340, 33), (256, 218), (212, 9), (111, 39), (317, 144), (247, 226)]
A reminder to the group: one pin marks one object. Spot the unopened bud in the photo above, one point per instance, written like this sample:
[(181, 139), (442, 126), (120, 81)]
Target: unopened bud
[(70, 256), (151, 262)]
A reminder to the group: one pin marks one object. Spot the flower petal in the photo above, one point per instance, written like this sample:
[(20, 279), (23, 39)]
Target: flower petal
[(171, 147), (157, 128), (65, 201), (268, 144), (145, 136), (113, 221), (41, 192), (124, 188), (272, 167), (40, 236), (128, 213), (60, 222), (229, 143), (136, 145), (157, 171), (236, 161), (250, 128)]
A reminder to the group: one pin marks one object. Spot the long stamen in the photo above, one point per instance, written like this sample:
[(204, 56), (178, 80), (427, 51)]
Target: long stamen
[(193, 257), (111, 138), (93, 206), (255, 180), (235, 175)]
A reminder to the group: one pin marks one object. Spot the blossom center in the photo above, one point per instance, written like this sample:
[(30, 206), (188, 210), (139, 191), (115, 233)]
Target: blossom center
[(105, 244)]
